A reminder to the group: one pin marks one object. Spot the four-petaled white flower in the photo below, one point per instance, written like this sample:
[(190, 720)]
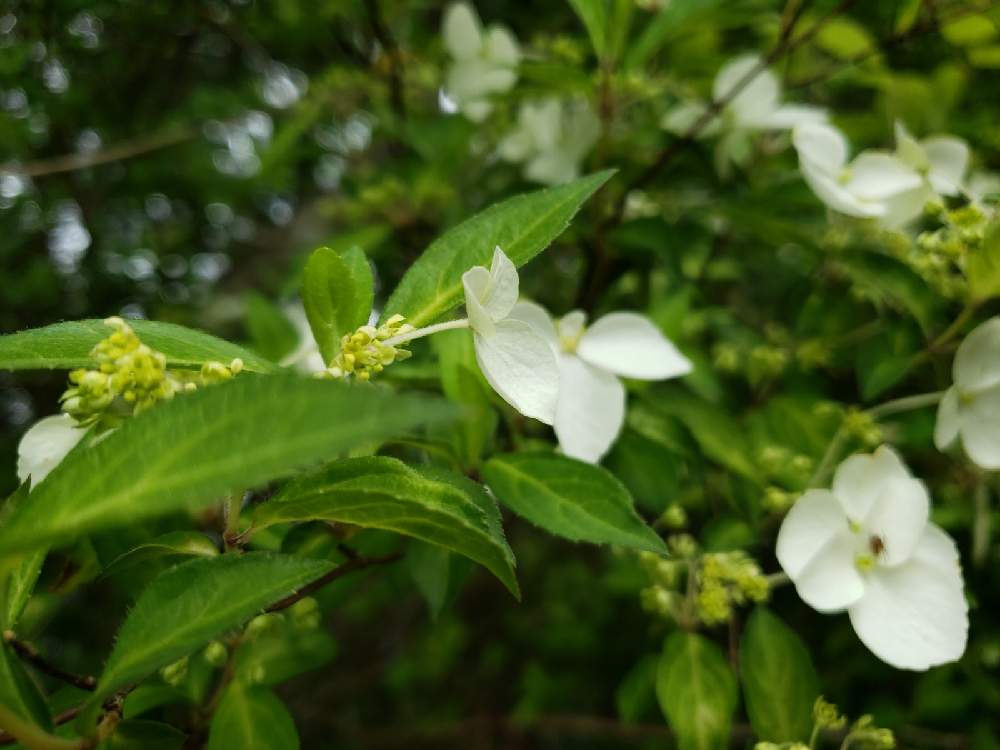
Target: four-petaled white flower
[(591, 407), (484, 61), (44, 445), (517, 362), (867, 546), (864, 187), (551, 139), (970, 409)]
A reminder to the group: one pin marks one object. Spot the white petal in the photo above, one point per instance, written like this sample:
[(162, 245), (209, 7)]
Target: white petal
[(521, 367), (476, 110), (554, 167), (496, 80), (629, 345), (948, 420), (875, 175), (538, 318), (681, 118), (570, 326), (977, 361), (915, 616), (462, 34), (832, 193), (812, 522), (830, 581), (903, 208), (790, 116), (758, 98), (949, 158), (544, 121), (898, 517), (44, 445), (861, 479), (501, 47), (822, 145), (515, 146), (490, 295), (980, 428), (591, 409), (476, 282), (909, 149)]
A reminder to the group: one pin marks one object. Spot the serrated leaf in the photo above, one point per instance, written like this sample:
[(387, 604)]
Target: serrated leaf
[(188, 605), (271, 332), (19, 693), (522, 226), (569, 498), (697, 691), (251, 718), (198, 446), (337, 293), (780, 684), (139, 734), (172, 544), (18, 578), (383, 493), (67, 346)]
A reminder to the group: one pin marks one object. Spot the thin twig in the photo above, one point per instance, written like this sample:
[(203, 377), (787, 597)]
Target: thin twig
[(388, 43), (358, 563), (30, 654)]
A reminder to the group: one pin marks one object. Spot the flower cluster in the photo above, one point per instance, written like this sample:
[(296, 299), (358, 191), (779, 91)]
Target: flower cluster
[(368, 350), (727, 580), (551, 139)]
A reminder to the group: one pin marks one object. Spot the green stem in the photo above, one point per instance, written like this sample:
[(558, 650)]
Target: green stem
[(956, 326), (231, 515), (34, 737), (774, 580), (419, 333), (907, 403), (830, 457), (814, 737)]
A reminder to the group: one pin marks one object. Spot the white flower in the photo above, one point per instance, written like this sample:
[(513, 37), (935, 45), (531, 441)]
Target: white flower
[(941, 161), (862, 188), (867, 546), (970, 409), (591, 406), (551, 139), (44, 445), (484, 61), (306, 357), (982, 185), (517, 362), (757, 107)]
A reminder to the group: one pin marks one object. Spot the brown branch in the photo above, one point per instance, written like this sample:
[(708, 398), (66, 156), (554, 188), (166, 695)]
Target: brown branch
[(119, 152), (30, 654), (357, 563)]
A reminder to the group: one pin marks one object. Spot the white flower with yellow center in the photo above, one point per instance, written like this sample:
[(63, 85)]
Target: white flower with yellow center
[(867, 546), (551, 139), (45, 445), (864, 187), (484, 62), (591, 406), (516, 361), (970, 409)]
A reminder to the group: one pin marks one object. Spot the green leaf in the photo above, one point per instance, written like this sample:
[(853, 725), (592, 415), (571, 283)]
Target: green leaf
[(636, 693), (251, 718), (780, 684), (383, 493), (337, 292), (594, 14), (430, 568), (697, 691), (18, 577), (463, 384), (188, 605), (271, 332), (198, 446), (569, 498), (982, 267), (172, 544), (19, 693), (139, 734), (671, 21), (67, 346), (888, 282), (844, 38), (521, 226), (969, 31)]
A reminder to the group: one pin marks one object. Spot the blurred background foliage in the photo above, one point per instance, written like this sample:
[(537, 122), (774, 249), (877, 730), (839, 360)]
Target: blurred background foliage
[(178, 160)]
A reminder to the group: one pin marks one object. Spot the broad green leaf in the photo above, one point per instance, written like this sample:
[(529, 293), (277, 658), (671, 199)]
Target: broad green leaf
[(19, 693), (139, 734), (636, 693), (430, 568), (251, 718), (522, 226), (172, 544), (463, 384), (337, 292), (271, 332), (970, 30), (67, 346), (149, 696), (384, 493), (188, 605), (780, 684), (697, 691), (569, 498), (18, 577), (594, 14), (666, 25), (198, 446), (886, 281), (982, 267)]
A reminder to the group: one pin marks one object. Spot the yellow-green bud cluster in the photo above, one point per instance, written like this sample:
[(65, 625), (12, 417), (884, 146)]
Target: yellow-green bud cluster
[(365, 352), (127, 379), (827, 716), (864, 735), (861, 425), (216, 372), (216, 654), (777, 500), (725, 580), (174, 674), (674, 517)]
